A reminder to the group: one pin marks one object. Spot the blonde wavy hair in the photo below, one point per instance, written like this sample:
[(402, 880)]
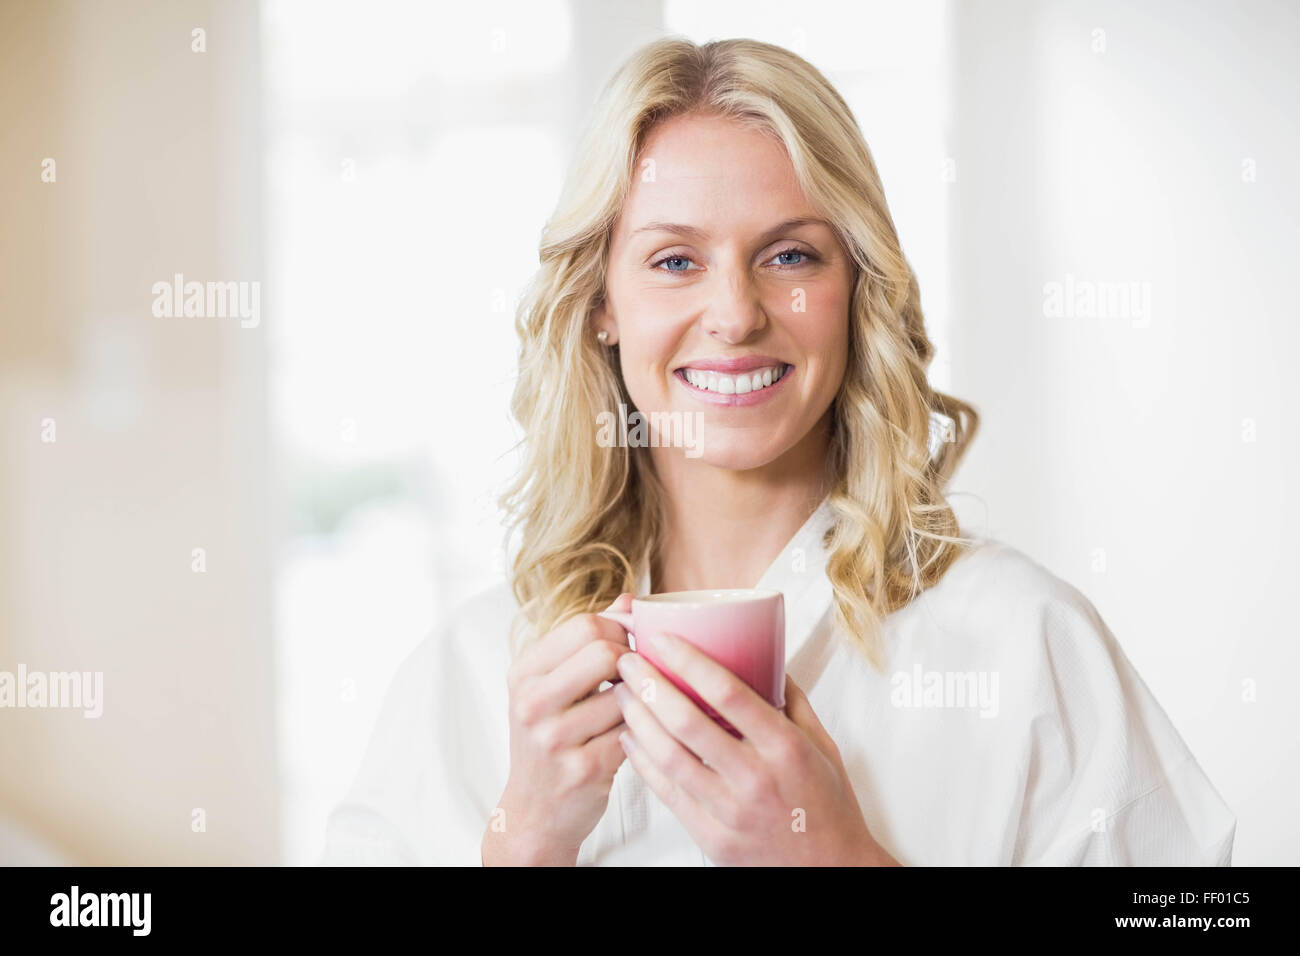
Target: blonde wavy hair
[(585, 515)]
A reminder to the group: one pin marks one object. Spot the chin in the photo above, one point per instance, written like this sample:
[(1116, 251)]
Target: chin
[(737, 452)]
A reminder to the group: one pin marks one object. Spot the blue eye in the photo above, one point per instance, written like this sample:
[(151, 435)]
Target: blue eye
[(807, 257), (683, 263)]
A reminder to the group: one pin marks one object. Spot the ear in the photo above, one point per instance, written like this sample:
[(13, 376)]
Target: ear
[(600, 320)]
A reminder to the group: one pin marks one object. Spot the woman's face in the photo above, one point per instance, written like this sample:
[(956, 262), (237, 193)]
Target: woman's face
[(727, 292)]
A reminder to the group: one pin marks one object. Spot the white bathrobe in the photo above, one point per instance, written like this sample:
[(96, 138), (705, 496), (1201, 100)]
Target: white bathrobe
[(1008, 728)]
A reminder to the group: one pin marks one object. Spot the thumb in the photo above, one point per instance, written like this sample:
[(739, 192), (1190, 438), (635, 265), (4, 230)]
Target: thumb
[(622, 603)]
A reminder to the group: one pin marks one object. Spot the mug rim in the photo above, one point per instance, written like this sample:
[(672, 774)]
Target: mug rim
[(733, 596)]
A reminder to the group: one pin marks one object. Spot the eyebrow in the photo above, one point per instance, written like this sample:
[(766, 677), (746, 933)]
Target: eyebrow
[(696, 232)]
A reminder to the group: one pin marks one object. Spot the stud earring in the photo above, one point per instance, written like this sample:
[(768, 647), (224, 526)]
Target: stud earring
[(602, 337)]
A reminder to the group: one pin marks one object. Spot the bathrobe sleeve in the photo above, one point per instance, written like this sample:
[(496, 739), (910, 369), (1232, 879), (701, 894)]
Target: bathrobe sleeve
[(1109, 781), (437, 760)]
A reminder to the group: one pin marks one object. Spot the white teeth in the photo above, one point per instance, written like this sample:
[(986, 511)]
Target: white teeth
[(740, 384)]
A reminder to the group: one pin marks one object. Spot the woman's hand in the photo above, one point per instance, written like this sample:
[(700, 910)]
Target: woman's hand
[(564, 748), (781, 796)]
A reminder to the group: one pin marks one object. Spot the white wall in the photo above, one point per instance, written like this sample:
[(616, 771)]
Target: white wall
[(159, 429), (1145, 459)]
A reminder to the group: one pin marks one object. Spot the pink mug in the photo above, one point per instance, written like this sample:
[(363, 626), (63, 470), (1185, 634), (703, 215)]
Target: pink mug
[(743, 629)]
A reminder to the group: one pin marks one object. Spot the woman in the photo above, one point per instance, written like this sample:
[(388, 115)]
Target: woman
[(723, 254)]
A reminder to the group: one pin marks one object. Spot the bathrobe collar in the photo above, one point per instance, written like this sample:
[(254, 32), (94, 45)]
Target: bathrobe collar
[(799, 572)]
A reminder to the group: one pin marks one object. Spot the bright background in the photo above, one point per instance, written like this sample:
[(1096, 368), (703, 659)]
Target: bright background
[(384, 170)]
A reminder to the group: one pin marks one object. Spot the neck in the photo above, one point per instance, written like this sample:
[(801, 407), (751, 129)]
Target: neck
[(724, 528)]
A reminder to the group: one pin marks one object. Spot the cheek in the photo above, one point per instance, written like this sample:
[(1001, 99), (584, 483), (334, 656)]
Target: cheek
[(823, 329), (823, 336), (827, 300), (646, 351), (649, 337)]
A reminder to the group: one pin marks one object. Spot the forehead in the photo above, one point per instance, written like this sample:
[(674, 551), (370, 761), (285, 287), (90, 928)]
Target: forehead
[(715, 173)]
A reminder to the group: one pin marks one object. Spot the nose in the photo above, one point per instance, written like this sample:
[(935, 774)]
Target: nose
[(735, 309)]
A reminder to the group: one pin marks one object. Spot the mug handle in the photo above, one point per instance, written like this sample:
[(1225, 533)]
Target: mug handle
[(623, 618)]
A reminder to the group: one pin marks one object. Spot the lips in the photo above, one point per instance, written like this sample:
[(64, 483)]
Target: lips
[(740, 363), (735, 382)]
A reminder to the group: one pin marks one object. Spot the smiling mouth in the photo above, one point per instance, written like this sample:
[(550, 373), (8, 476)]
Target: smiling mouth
[(740, 383)]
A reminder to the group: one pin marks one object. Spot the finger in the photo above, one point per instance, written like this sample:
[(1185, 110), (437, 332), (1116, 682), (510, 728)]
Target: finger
[(609, 752), (673, 760), (562, 643), (799, 709), (682, 718), (682, 805), (722, 690), (588, 718), (582, 673), (623, 605)]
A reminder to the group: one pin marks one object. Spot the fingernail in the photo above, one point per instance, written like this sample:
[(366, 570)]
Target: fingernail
[(625, 665), (620, 695), (626, 740), (661, 644)]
